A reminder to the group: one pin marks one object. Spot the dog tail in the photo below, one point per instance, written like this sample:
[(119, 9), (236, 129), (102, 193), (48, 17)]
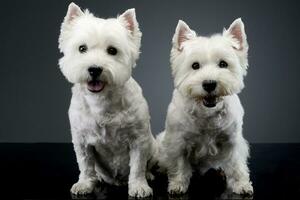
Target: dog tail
[(154, 162)]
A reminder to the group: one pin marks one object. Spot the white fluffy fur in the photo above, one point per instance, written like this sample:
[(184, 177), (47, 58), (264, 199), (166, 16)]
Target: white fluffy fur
[(196, 137), (111, 129)]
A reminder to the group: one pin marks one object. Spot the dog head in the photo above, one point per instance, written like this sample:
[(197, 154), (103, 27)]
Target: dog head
[(98, 52), (209, 68)]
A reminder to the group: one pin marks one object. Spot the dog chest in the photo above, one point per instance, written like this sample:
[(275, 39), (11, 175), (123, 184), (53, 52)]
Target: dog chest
[(209, 146), (112, 154)]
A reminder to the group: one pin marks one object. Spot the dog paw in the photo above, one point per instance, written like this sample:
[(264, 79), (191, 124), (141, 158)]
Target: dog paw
[(82, 188), (177, 187), (139, 189), (243, 188), (150, 176)]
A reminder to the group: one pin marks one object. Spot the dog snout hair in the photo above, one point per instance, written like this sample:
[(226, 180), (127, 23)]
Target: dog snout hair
[(95, 71), (209, 85)]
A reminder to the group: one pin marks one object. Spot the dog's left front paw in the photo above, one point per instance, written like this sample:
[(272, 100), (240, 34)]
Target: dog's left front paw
[(243, 188), (82, 188), (177, 187), (139, 189)]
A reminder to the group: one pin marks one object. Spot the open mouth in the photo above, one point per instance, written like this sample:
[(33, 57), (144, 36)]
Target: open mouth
[(210, 101), (95, 86)]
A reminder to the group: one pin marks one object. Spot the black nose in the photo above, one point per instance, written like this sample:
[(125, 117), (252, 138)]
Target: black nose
[(209, 85), (95, 71)]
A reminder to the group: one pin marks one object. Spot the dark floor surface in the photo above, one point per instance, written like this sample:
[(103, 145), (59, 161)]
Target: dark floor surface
[(47, 171)]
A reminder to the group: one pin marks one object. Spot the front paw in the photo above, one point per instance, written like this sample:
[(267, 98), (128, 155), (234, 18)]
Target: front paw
[(150, 176), (139, 189), (243, 188), (82, 188), (178, 187)]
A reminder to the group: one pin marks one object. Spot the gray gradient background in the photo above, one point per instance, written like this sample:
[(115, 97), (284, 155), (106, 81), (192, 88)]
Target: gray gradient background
[(35, 96)]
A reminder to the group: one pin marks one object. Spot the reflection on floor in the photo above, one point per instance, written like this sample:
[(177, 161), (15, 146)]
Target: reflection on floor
[(47, 171)]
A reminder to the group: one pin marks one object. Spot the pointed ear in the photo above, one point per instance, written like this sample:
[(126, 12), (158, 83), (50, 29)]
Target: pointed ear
[(237, 32), (128, 19), (182, 34), (74, 11)]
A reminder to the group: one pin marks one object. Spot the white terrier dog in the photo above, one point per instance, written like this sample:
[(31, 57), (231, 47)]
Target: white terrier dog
[(205, 117), (109, 116)]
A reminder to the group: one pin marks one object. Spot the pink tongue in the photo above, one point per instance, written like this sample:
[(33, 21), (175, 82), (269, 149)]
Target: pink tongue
[(95, 85)]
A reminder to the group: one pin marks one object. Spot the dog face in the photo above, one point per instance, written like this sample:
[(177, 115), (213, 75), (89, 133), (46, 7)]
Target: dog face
[(98, 52), (209, 68)]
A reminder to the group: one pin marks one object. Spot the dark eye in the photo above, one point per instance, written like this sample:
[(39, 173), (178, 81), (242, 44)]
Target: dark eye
[(195, 65), (223, 64), (112, 51), (82, 48)]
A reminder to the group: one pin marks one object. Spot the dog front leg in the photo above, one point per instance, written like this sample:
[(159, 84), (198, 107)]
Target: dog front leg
[(179, 174), (237, 171), (87, 178), (238, 180), (137, 184)]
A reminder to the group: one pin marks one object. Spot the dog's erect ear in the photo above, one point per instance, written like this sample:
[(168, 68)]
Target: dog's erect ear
[(237, 32), (182, 34), (73, 12), (129, 20)]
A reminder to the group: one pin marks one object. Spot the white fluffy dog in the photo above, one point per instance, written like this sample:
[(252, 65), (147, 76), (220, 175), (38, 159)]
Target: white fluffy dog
[(204, 121), (109, 116)]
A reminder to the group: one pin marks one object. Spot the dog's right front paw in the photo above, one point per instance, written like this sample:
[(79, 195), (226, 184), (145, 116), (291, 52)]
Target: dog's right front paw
[(243, 188), (82, 188), (139, 189), (177, 187)]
